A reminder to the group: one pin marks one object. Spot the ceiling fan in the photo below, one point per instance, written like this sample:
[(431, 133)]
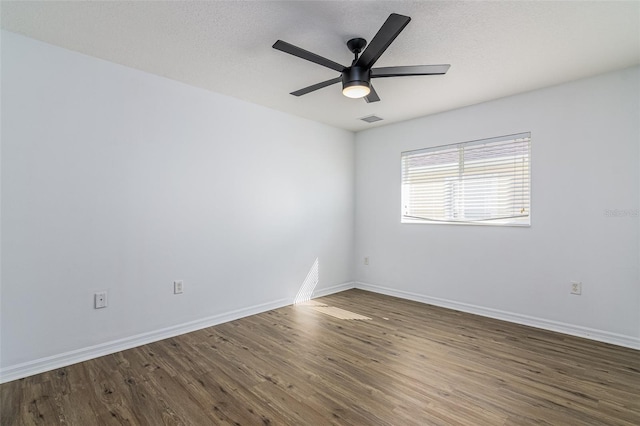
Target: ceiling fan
[(356, 79)]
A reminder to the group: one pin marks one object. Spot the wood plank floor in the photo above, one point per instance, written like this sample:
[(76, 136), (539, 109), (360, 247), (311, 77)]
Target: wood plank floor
[(411, 364)]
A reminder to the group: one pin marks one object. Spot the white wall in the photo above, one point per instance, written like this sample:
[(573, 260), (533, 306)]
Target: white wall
[(118, 180), (585, 159)]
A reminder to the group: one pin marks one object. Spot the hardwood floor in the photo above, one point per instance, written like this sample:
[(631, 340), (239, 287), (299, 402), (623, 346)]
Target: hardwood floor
[(411, 364)]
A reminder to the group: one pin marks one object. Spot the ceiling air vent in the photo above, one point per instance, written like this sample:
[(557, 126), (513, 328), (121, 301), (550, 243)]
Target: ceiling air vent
[(371, 119)]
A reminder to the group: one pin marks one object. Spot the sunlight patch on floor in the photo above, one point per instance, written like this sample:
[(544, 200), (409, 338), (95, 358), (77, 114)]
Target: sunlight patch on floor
[(303, 298), (339, 313), (311, 303)]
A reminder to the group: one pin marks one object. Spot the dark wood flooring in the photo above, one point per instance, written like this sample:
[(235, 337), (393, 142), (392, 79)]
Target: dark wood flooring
[(411, 364)]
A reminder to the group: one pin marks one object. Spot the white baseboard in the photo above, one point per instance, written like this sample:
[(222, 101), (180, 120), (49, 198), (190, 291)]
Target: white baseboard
[(560, 327), (333, 289), (41, 365)]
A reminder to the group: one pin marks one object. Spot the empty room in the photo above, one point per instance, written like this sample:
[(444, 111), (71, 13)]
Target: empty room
[(320, 213)]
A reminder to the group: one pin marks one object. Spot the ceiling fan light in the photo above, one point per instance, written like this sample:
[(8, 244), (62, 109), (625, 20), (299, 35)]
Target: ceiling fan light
[(356, 91)]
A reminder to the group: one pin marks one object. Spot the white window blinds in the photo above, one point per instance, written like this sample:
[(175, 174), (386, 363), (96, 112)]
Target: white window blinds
[(485, 182)]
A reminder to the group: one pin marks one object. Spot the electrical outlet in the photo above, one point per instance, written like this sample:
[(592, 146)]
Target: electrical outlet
[(366, 260), (178, 287), (576, 287), (100, 300)]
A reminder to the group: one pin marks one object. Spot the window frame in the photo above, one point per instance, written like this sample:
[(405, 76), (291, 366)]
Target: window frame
[(524, 137)]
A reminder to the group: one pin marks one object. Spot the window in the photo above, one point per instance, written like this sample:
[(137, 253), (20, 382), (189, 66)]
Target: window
[(484, 182)]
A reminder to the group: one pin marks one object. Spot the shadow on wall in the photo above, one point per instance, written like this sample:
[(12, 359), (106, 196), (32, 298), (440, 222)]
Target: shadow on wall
[(309, 284)]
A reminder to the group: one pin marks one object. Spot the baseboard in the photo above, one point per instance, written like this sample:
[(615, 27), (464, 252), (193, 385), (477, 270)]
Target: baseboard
[(41, 365), (560, 327), (53, 362), (333, 289)]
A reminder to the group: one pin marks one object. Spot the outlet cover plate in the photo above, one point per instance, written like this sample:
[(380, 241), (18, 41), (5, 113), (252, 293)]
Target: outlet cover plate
[(178, 287), (576, 288), (100, 300)]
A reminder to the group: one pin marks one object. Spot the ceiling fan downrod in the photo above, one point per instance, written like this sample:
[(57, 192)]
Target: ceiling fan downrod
[(356, 45)]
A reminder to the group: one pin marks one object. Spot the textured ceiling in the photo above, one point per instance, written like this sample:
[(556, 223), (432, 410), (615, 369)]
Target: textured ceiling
[(495, 49)]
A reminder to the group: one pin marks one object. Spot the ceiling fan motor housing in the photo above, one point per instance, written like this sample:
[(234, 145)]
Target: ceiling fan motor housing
[(356, 76)]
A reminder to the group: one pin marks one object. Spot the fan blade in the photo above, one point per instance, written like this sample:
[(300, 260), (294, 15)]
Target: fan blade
[(386, 34), (316, 86), (411, 70), (372, 96), (304, 54)]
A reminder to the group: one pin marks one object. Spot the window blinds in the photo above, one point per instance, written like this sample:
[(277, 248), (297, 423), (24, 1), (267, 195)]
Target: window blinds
[(480, 182)]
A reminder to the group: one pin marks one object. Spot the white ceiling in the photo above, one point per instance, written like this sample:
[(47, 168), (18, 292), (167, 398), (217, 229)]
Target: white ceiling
[(495, 49)]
